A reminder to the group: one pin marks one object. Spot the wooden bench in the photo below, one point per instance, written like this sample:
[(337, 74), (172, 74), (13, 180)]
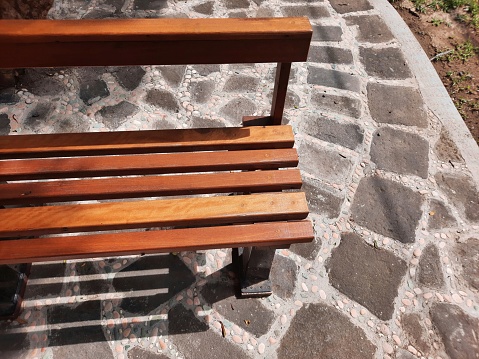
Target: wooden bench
[(248, 171)]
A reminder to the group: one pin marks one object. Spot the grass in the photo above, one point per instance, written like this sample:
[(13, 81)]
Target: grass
[(470, 8), (462, 52)]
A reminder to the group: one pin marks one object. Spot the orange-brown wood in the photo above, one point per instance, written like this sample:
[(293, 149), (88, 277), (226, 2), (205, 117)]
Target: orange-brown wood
[(156, 213), (43, 43), (78, 144), (174, 240), (99, 166), (279, 93), (149, 186)]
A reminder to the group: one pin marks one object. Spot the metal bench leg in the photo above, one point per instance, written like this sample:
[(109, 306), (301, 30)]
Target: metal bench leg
[(254, 265)]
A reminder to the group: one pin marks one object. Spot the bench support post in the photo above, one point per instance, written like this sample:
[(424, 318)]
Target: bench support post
[(279, 92)]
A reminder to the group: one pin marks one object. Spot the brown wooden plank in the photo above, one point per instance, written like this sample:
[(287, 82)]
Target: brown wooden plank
[(99, 166), (175, 240), (149, 186), (280, 90), (44, 43), (34, 221), (121, 142)]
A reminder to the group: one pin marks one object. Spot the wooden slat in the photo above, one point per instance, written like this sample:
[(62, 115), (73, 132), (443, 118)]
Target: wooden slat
[(35, 221), (122, 142), (175, 240), (103, 166), (30, 43), (149, 186)]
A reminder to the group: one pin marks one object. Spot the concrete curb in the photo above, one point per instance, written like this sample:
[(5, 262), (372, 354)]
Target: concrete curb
[(433, 91)]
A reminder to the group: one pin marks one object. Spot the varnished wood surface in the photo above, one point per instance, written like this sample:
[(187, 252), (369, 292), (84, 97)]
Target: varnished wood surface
[(149, 186), (120, 142), (174, 240), (35, 221)]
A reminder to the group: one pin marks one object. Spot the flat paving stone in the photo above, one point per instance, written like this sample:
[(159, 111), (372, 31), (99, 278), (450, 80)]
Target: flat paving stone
[(323, 163), (74, 123), (222, 298), (173, 74), (320, 200), (344, 105), (7, 87), (205, 70), (205, 8), (445, 148), (308, 250), (440, 216), (4, 124), (468, 258), (400, 152), (387, 63), (238, 107), (429, 271), (139, 353), (14, 345), (345, 134), (236, 4), (417, 333), (327, 33), (321, 331), (283, 276), (387, 208), (459, 331), (265, 12), (365, 274), (396, 105), (129, 77), (462, 192), (344, 7), (93, 90), (201, 91), (150, 4), (330, 55), (114, 116), (371, 28), (38, 116), (201, 122), (93, 350), (40, 82), (46, 290), (241, 83), (333, 78), (194, 340), (311, 12), (162, 99)]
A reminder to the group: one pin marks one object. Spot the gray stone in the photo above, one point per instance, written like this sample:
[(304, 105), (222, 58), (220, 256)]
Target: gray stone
[(14, 345), (241, 83), (445, 148), (311, 12), (365, 274), (93, 350), (292, 100), (237, 15), (139, 353), (205, 8), (4, 124), (462, 192), (459, 331), (116, 4), (237, 108), (201, 91), (41, 82), (344, 7), (283, 276), (404, 354), (99, 14), (265, 12), (200, 122), (236, 4), (344, 134), (388, 63), (162, 99), (308, 250), (417, 333), (396, 105), (71, 124), (195, 341), (333, 78), (371, 28), (114, 116), (222, 297), (321, 201), (468, 258), (7, 87), (440, 216), (429, 271), (178, 278), (129, 77), (37, 117), (400, 152), (330, 55), (327, 33), (150, 4), (321, 331), (340, 104), (323, 163), (205, 70), (92, 87), (173, 74), (387, 208)]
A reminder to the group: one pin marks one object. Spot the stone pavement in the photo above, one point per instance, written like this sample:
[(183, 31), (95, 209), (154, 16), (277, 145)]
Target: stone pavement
[(390, 173)]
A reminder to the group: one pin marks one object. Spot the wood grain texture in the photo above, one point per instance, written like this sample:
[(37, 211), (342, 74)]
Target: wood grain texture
[(174, 240), (35, 221), (279, 94), (99, 166), (149, 186), (121, 142)]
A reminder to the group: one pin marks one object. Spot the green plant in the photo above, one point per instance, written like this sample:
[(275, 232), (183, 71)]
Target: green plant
[(436, 22), (463, 52)]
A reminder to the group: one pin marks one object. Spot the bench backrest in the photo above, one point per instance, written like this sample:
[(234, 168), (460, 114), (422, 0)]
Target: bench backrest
[(118, 42)]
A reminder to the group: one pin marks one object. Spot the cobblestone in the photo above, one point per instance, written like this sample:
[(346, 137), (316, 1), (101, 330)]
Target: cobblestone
[(333, 78), (387, 63)]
